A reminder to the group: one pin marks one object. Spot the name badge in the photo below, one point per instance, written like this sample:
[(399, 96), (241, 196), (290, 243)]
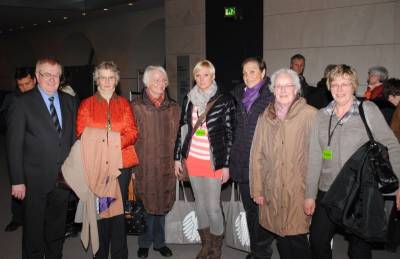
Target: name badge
[(200, 132), (327, 154)]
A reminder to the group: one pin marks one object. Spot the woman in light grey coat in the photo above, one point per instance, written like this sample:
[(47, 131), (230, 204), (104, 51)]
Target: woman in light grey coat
[(337, 133)]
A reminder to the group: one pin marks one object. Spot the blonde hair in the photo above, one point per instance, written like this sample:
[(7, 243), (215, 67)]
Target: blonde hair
[(340, 71), (204, 64)]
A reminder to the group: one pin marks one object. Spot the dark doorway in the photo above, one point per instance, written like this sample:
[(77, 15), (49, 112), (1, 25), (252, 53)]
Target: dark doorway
[(231, 39)]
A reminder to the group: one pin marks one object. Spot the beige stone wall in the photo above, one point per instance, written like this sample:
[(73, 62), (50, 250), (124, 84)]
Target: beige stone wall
[(361, 33), (184, 35)]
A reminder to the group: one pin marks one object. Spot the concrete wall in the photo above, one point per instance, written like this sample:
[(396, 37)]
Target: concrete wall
[(133, 40), (185, 35), (361, 33)]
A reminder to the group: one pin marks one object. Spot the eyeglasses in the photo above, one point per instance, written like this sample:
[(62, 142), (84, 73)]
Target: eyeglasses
[(48, 75), (281, 87), (110, 78), (158, 81), (336, 86)]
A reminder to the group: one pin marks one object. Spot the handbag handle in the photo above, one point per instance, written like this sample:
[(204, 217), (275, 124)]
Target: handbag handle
[(178, 182), (364, 120), (233, 192)]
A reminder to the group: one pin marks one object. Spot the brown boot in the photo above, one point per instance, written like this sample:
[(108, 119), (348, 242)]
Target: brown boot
[(205, 243), (215, 247)]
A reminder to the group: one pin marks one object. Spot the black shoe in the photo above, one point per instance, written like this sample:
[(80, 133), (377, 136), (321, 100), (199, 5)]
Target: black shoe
[(12, 226), (143, 252), (164, 251)]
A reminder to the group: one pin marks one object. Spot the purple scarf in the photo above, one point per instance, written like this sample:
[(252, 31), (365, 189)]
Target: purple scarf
[(251, 94)]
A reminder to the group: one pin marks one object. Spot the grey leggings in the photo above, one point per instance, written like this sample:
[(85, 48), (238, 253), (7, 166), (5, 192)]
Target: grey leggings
[(207, 192)]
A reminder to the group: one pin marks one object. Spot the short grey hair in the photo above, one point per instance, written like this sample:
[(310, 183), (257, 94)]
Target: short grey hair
[(106, 65), (149, 70), (379, 71), (285, 71)]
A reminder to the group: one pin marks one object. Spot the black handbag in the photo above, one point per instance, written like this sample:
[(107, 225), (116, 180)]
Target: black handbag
[(379, 160), (134, 218)]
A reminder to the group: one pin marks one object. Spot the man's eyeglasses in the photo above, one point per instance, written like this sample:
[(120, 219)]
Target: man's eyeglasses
[(48, 75)]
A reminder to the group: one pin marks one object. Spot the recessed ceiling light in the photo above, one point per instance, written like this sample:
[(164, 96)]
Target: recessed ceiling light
[(65, 18), (130, 4), (49, 21), (35, 24), (83, 14), (105, 9)]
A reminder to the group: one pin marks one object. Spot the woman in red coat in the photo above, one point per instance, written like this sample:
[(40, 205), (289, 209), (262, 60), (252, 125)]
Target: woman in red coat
[(105, 109)]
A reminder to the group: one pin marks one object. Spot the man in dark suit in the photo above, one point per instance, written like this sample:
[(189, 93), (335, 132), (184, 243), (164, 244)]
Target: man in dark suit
[(43, 130), (25, 79)]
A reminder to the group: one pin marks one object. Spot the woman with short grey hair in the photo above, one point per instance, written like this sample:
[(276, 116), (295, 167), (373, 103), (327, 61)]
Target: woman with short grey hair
[(278, 165), (157, 117), (376, 76)]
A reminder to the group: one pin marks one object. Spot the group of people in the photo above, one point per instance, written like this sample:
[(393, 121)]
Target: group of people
[(284, 153)]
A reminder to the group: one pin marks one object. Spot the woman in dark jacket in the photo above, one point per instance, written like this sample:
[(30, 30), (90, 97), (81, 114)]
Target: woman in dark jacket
[(157, 117), (206, 153), (251, 101)]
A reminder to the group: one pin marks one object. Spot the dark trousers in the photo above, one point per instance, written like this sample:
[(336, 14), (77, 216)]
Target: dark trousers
[(294, 247), (260, 238), (112, 231), (44, 223), (155, 232), (322, 231), (17, 210)]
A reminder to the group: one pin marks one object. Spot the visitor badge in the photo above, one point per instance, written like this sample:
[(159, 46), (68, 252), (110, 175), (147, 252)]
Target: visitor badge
[(200, 132), (327, 154)]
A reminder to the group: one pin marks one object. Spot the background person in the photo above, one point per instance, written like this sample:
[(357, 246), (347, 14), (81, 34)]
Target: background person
[(105, 109), (25, 80), (157, 118), (338, 130), (376, 76), (278, 165), (41, 118), (251, 101), (207, 153)]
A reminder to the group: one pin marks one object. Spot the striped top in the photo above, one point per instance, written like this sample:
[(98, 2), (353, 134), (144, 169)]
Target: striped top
[(199, 160)]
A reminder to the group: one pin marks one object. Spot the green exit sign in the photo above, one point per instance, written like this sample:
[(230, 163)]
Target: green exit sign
[(230, 11)]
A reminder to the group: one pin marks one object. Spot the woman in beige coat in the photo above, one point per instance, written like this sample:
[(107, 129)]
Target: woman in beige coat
[(278, 165)]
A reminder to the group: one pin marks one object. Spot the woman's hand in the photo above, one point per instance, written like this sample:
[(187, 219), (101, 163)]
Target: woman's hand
[(309, 207), (259, 200), (178, 169), (398, 199), (225, 175)]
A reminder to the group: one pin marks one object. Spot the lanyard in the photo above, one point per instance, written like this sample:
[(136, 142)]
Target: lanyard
[(330, 134)]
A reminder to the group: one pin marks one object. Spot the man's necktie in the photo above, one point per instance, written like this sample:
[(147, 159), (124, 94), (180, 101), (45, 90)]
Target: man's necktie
[(53, 115)]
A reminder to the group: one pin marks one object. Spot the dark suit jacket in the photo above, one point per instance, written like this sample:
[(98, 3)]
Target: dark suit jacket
[(35, 152)]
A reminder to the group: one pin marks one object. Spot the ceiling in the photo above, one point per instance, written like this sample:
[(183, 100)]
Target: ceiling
[(25, 15)]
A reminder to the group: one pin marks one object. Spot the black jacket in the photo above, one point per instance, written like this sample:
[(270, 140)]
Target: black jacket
[(220, 124), (35, 152), (354, 200), (244, 131)]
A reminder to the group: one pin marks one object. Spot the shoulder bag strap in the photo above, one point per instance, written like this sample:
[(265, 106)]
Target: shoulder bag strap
[(202, 117), (362, 115)]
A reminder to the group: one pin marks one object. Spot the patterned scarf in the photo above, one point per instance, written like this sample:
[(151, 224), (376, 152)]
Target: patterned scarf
[(156, 101)]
